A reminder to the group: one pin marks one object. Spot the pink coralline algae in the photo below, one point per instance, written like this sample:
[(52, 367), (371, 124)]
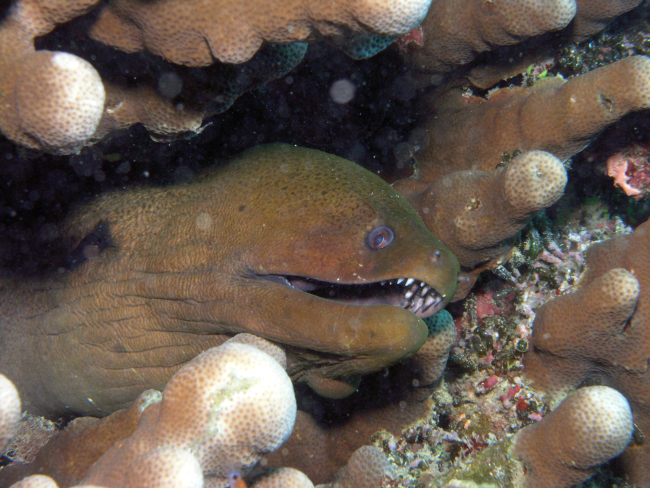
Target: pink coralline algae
[(631, 171)]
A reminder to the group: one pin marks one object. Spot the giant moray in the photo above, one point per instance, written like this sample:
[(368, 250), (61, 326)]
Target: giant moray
[(294, 245)]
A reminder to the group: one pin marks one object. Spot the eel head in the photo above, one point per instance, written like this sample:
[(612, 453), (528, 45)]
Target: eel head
[(294, 245)]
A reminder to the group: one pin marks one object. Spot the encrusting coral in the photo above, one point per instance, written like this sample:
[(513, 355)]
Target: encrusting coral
[(54, 101), (478, 214), (554, 115), (220, 412), (590, 427), (601, 333)]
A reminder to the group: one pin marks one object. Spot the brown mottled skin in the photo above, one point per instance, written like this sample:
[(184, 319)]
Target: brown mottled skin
[(170, 272)]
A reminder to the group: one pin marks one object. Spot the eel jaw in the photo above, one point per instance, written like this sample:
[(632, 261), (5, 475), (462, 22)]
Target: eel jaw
[(410, 294)]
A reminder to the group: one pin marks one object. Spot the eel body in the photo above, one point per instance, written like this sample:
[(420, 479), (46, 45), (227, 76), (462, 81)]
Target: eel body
[(300, 247)]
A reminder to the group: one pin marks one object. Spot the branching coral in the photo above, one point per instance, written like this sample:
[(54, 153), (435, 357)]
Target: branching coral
[(478, 214), (55, 101), (455, 32), (221, 411), (600, 333), (555, 115), (590, 427), (9, 411)]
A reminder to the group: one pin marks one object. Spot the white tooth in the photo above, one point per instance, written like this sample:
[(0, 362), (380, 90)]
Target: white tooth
[(382, 283), (418, 305), (409, 281), (428, 301), (399, 282), (425, 290), (422, 283), (409, 294)]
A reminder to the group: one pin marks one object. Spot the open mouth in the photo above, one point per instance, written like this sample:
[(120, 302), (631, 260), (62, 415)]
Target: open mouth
[(410, 294)]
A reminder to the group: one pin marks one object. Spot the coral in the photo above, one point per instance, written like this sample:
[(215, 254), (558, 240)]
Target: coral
[(367, 468), (48, 100), (9, 411), (590, 427), (69, 454), (600, 333), (192, 34), (227, 406), (593, 16), (432, 356), (555, 115), (36, 481), (478, 214), (55, 101), (282, 478), (222, 410), (455, 32)]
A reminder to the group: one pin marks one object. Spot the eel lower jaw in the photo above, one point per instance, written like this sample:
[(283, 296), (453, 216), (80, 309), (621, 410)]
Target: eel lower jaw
[(410, 294)]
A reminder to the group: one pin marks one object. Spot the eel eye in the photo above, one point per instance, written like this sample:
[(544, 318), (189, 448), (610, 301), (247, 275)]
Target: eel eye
[(380, 237)]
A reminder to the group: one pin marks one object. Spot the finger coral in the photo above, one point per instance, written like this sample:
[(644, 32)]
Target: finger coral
[(227, 407), (593, 15), (590, 427), (478, 214), (367, 468), (221, 411), (455, 32), (282, 478), (55, 101), (192, 33), (600, 333), (555, 115), (9, 411)]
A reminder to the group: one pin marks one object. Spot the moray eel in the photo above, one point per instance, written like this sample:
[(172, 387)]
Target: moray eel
[(294, 245)]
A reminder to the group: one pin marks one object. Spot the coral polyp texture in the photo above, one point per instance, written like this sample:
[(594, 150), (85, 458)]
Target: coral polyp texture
[(478, 214), (9, 411), (455, 32), (283, 478), (601, 333), (555, 115), (195, 33), (224, 409), (55, 101), (227, 407), (590, 427), (593, 16)]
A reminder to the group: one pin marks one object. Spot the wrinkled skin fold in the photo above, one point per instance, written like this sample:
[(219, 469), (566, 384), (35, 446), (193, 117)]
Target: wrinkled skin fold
[(281, 243)]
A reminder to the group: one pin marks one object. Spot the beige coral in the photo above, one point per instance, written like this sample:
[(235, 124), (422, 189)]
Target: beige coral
[(367, 468), (227, 407), (590, 427), (593, 16), (48, 100), (193, 33), (283, 478), (555, 115), (600, 333), (455, 32), (54, 101), (9, 411), (477, 214)]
